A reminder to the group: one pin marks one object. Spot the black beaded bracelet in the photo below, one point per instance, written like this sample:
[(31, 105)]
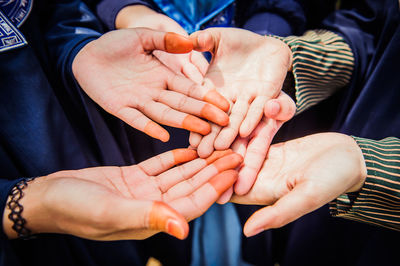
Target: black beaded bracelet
[(19, 223)]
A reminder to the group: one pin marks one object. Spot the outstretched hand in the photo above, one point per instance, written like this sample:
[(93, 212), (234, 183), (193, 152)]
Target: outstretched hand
[(134, 202), (302, 175), (247, 69), (193, 65), (119, 72)]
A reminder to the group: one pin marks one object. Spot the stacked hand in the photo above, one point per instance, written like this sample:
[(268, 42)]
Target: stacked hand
[(193, 65), (302, 175), (119, 72), (247, 73), (134, 202)]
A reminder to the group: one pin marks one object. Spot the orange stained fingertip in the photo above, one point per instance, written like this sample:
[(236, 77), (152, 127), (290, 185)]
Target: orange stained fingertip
[(215, 115), (228, 162), (175, 43), (223, 181), (217, 154), (164, 218), (215, 98), (156, 131), (184, 155), (195, 124)]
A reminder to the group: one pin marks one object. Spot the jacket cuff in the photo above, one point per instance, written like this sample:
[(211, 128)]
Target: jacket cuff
[(322, 63), (377, 202), (107, 10)]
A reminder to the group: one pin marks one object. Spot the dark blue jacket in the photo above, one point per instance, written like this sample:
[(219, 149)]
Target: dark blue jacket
[(47, 124)]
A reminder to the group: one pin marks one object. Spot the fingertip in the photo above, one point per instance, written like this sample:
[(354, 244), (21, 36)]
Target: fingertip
[(217, 154), (176, 43), (177, 228), (154, 130), (184, 155), (164, 218), (195, 124), (230, 161), (217, 99), (272, 108), (215, 115), (223, 181), (226, 196)]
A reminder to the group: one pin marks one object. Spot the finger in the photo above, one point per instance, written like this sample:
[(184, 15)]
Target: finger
[(165, 41), (239, 146), (185, 104), (194, 139), (185, 86), (195, 204), (206, 146), (192, 72), (188, 186), (167, 116), (164, 218), (283, 108), (256, 153), (298, 202), (204, 41), (200, 62), (141, 219), (229, 133), (170, 178), (253, 116), (162, 162), (142, 123), (226, 196)]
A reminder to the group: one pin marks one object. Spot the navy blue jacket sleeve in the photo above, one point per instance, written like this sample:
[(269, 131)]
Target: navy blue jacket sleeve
[(107, 10), (367, 26), (71, 25)]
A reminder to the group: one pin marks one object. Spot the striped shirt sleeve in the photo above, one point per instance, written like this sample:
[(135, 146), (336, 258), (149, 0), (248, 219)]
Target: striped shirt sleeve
[(322, 63), (378, 202)]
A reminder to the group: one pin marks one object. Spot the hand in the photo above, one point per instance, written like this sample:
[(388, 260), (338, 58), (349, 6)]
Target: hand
[(302, 175), (193, 65), (248, 69), (119, 72), (254, 148), (134, 202)]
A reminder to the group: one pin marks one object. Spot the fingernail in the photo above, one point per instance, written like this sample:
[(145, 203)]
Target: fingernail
[(217, 99), (173, 228)]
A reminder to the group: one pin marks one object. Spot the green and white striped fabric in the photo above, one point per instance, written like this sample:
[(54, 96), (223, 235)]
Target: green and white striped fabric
[(322, 63), (378, 202)]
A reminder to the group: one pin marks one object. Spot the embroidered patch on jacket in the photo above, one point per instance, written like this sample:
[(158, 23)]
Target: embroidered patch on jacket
[(16, 10), (10, 37)]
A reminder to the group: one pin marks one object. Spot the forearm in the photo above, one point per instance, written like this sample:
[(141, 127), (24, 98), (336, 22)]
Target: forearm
[(378, 200)]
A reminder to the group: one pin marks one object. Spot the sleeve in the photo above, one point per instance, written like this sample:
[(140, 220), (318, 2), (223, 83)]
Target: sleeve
[(322, 63), (378, 202), (107, 10)]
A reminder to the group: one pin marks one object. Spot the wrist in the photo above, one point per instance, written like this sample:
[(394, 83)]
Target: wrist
[(360, 171), (132, 16), (30, 209)]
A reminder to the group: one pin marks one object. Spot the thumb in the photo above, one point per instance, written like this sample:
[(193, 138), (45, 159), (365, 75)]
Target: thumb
[(164, 218), (149, 215), (205, 41), (164, 41), (282, 108)]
